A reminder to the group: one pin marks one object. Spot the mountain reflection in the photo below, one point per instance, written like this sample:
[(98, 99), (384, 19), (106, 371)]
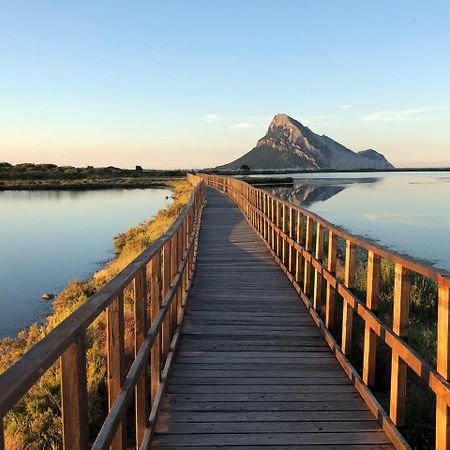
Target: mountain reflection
[(308, 191)]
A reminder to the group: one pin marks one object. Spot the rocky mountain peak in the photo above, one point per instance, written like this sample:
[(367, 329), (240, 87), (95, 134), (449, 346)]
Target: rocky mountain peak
[(282, 120), (290, 145), (285, 132), (286, 125)]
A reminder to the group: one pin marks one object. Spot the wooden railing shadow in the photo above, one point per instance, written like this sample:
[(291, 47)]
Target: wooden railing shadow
[(160, 279), (296, 237)]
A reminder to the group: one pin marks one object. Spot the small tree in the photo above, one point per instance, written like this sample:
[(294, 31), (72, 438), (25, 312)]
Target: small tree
[(245, 168), (139, 169)]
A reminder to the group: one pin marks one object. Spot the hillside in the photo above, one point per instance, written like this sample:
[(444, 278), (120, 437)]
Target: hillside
[(290, 145)]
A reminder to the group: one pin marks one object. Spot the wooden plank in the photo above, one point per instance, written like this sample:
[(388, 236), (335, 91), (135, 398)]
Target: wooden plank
[(261, 397), (253, 379), (257, 373), (364, 437), (74, 396), (259, 388), (400, 325), (116, 362), (443, 367), (224, 417), (372, 301), (266, 427), (234, 358), (329, 405), (282, 447)]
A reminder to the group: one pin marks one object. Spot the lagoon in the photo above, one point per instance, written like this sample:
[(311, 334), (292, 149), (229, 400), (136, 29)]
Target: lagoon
[(408, 212), (48, 238)]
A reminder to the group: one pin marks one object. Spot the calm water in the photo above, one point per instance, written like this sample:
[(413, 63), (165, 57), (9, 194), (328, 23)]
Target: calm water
[(407, 212), (48, 238)]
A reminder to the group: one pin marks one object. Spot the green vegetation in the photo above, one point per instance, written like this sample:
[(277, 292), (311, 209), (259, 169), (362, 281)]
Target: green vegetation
[(35, 422), (50, 176), (420, 403)]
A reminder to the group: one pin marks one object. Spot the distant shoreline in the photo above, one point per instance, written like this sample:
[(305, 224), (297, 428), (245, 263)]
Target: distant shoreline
[(52, 185), (30, 177), (289, 171)]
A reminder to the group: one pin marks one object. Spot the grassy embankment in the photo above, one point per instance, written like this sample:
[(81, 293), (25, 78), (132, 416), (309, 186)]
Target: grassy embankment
[(35, 422)]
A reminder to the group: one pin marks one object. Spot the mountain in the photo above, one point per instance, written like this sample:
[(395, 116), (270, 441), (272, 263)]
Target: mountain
[(290, 145)]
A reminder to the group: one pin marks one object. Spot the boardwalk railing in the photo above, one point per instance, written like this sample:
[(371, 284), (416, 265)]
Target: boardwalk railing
[(296, 239), (160, 279)]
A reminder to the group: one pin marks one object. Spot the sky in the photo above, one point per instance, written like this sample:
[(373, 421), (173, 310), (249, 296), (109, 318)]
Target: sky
[(195, 84)]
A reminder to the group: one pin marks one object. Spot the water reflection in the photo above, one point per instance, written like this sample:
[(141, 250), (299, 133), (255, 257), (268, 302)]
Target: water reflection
[(408, 212), (309, 191), (50, 237)]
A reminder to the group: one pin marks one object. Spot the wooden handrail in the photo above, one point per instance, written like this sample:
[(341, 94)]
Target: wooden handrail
[(286, 228), (161, 277)]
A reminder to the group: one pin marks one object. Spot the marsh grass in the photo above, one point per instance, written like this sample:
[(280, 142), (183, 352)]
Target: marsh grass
[(420, 404)]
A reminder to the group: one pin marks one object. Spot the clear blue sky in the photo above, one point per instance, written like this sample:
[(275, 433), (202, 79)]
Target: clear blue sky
[(194, 84)]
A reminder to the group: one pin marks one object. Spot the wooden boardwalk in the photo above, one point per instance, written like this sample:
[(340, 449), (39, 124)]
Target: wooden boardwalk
[(252, 370)]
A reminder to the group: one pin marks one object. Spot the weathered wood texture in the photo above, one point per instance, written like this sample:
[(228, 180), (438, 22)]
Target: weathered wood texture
[(252, 369)]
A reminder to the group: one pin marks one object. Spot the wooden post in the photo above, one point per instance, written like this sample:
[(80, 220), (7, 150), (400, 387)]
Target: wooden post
[(278, 225), (272, 220), (185, 247), (166, 326), (400, 328), (265, 211), (308, 247), (2, 434), (291, 235), (372, 301), (173, 274), (283, 240), (443, 367), (261, 210), (331, 292), (74, 396), (318, 280), (140, 321), (298, 256), (116, 362), (349, 281), (155, 354), (180, 286)]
